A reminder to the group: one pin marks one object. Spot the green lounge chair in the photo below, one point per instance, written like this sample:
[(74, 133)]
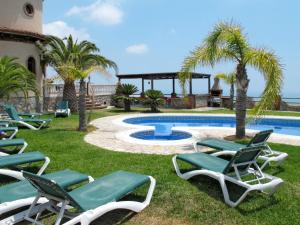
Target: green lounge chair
[(16, 160), (62, 109), (20, 194), (92, 200), (238, 170), (230, 148), (13, 114), (18, 144), (9, 132)]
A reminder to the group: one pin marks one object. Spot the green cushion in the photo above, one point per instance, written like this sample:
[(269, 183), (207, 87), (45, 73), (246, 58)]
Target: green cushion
[(205, 161), (19, 159), (107, 189), (11, 142), (62, 105), (6, 129), (23, 189), (221, 144)]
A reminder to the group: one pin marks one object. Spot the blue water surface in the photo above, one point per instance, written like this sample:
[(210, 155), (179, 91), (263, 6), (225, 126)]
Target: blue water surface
[(149, 135), (280, 126)]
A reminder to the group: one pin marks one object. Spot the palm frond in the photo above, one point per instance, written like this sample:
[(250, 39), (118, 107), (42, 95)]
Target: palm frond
[(269, 65), (226, 42), (228, 78)]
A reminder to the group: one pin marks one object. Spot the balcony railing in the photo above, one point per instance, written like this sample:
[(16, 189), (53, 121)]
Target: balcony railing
[(56, 90)]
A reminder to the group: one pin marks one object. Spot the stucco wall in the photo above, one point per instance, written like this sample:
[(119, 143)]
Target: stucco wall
[(12, 15), (23, 51)]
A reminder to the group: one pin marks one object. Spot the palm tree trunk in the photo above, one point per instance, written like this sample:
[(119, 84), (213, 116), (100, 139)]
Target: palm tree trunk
[(231, 96), (127, 106), (69, 94), (241, 100), (82, 106)]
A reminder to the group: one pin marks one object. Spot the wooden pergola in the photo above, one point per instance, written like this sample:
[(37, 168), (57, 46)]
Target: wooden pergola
[(165, 76)]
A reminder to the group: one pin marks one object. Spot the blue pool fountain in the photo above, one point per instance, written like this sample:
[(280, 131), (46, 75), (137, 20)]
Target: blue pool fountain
[(163, 130)]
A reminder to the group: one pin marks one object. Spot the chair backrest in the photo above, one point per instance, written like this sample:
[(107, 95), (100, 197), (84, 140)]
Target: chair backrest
[(260, 138), (62, 105), (12, 112), (50, 189), (245, 157)]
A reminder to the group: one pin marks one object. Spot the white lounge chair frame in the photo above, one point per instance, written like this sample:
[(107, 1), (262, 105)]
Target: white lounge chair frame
[(18, 175), (64, 111), (19, 152), (42, 124), (236, 178), (14, 133), (87, 217)]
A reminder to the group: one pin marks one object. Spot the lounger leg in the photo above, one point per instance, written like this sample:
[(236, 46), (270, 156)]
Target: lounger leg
[(278, 158), (47, 161), (30, 211), (19, 217), (13, 134), (23, 148), (61, 212)]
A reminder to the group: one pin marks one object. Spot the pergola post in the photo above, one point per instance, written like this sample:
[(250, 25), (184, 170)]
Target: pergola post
[(191, 85), (143, 86), (208, 84), (152, 84), (173, 88)]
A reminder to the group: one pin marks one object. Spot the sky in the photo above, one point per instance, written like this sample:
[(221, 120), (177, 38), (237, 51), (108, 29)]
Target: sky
[(144, 36)]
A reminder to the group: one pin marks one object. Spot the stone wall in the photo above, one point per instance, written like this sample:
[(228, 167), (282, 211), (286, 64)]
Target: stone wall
[(32, 104), (103, 99), (50, 102)]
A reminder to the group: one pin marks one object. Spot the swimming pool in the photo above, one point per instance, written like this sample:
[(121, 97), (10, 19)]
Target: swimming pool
[(280, 126)]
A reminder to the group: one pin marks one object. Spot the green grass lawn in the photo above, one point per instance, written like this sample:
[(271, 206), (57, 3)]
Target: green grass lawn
[(175, 201)]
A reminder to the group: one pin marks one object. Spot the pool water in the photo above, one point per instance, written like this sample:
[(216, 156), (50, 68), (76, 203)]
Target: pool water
[(280, 126), (150, 135)]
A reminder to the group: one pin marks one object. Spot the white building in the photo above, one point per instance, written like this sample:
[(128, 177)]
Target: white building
[(21, 26)]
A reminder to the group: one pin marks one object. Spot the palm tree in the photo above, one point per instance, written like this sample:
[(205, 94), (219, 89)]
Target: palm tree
[(227, 42), (229, 79), (154, 99), (57, 52), (15, 78), (82, 75), (125, 91)]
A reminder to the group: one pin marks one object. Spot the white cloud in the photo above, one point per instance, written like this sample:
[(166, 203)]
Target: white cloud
[(106, 12), (137, 49), (62, 29)]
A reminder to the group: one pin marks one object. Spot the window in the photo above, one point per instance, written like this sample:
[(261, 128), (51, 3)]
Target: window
[(31, 65), (29, 9)]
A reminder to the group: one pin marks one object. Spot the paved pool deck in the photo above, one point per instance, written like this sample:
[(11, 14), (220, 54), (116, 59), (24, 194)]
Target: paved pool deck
[(113, 134)]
